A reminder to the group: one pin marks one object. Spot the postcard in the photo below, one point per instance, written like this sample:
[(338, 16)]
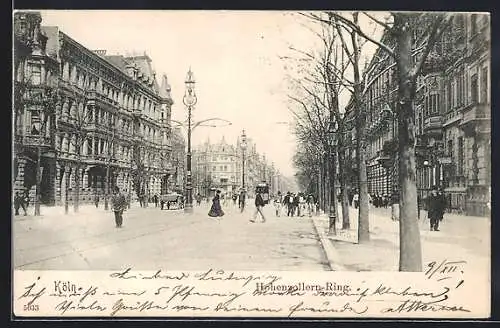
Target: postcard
[(250, 164)]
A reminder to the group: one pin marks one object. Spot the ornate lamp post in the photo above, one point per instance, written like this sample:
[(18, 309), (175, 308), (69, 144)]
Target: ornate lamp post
[(332, 226), (189, 101), (243, 146)]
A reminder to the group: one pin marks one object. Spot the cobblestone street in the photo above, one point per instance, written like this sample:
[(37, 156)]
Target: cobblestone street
[(151, 239)]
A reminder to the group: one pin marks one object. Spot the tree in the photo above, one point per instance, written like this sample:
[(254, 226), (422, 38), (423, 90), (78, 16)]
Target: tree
[(323, 80), (43, 98), (81, 115), (411, 38), (110, 155)]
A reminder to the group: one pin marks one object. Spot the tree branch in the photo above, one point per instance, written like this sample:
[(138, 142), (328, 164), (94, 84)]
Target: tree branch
[(353, 27), (431, 40), (384, 25)]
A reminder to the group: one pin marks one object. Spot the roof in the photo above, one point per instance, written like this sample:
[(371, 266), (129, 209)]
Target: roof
[(118, 60)]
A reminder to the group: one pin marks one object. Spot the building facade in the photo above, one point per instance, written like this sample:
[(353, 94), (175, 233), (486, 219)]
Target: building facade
[(452, 118), (95, 121), (220, 165)]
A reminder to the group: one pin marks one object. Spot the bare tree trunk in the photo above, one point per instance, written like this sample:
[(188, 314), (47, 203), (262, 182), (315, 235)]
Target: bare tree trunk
[(325, 184), (410, 255), (394, 195), (106, 191), (334, 186), (38, 177), (344, 197), (363, 215), (76, 201), (66, 189)]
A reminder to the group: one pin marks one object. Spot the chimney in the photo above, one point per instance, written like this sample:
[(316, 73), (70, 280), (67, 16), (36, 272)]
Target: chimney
[(101, 53)]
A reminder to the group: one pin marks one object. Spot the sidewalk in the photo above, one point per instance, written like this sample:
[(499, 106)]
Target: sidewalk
[(460, 236)]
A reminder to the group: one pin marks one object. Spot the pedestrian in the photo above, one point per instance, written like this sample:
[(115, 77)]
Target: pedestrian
[(288, 202), (355, 200), (216, 209), (278, 203), (19, 202), (296, 204), (119, 204), (235, 198), (155, 200), (198, 199), (25, 201), (259, 206), (436, 208), (310, 204), (96, 200), (241, 201)]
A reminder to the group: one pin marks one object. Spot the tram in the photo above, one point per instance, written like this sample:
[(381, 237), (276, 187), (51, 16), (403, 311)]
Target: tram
[(263, 188)]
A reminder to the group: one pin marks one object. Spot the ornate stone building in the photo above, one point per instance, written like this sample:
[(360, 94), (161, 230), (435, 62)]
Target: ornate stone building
[(219, 165), (108, 123), (452, 118)]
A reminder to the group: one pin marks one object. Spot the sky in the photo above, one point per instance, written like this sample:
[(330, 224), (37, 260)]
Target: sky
[(235, 58)]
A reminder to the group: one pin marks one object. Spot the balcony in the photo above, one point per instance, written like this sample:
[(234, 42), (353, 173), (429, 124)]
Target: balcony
[(476, 117), (433, 124), (451, 117), (37, 140), (137, 112), (95, 159)]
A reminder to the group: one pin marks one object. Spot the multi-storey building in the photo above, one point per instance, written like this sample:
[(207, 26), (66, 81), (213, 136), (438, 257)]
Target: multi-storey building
[(177, 179), (216, 165), (452, 118), (94, 120), (220, 165)]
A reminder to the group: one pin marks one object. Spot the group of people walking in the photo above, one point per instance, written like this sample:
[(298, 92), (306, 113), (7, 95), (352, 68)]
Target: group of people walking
[(216, 210), (295, 204)]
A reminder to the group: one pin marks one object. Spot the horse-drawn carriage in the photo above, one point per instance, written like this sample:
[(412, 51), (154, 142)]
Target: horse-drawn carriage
[(172, 201)]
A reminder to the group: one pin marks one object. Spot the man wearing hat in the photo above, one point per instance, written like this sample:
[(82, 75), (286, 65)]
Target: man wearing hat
[(436, 208)]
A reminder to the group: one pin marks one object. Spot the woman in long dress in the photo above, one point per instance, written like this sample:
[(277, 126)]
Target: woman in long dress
[(216, 209)]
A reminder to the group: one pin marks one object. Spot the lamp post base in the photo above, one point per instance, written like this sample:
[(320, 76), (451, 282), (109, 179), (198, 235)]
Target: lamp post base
[(332, 225)]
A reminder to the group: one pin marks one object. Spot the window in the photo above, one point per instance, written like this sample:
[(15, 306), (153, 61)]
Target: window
[(449, 88), (450, 149), (473, 24), (36, 74), (460, 159), (421, 122), (474, 89), (89, 146), (484, 85), (461, 88), (432, 104)]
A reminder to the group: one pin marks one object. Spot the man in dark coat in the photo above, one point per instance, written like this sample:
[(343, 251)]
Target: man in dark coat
[(119, 204), (259, 206), (288, 202), (436, 208), (241, 201), (19, 202), (295, 202)]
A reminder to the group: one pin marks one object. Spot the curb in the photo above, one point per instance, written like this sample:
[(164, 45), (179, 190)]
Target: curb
[(331, 253)]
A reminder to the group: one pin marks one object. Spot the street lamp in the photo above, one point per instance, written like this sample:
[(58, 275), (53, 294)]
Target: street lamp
[(243, 146), (333, 202), (189, 101)]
